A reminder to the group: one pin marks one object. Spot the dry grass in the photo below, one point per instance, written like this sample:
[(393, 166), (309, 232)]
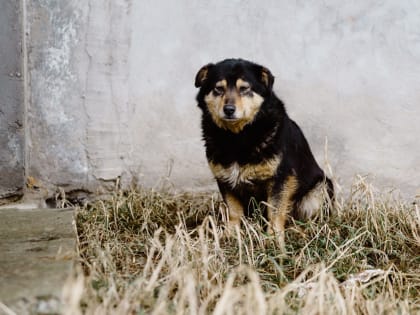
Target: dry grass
[(149, 252)]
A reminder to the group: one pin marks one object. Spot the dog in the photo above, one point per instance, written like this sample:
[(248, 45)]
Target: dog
[(254, 149)]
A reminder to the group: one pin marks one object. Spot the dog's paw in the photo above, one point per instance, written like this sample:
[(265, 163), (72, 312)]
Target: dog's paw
[(231, 230), (278, 236)]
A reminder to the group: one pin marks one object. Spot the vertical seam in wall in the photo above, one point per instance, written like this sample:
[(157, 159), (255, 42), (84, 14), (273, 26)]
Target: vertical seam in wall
[(25, 35)]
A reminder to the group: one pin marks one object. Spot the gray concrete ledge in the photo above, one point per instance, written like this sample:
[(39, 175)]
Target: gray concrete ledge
[(37, 248)]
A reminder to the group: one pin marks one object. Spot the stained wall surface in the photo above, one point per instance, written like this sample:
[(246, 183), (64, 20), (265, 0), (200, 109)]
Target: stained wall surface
[(11, 101), (111, 94)]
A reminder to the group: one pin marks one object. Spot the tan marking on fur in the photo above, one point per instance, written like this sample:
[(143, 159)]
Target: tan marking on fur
[(235, 209), (202, 75), (264, 77), (280, 205), (311, 203), (241, 83), (221, 83), (247, 106), (251, 107), (236, 174), (215, 104)]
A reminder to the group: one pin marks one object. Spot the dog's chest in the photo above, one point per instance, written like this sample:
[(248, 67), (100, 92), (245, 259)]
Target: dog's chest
[(247, 174)]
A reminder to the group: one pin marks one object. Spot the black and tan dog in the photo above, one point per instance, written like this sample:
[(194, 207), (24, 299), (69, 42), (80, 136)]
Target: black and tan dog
[(253, 148)]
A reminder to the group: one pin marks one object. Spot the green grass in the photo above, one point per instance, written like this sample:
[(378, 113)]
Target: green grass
[(154, 252)]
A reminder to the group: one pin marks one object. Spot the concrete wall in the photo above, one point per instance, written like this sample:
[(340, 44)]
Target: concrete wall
[(11, 101), (112, 95)]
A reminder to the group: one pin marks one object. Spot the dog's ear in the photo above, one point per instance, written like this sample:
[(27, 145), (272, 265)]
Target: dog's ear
[(202, 75), (266, 78)]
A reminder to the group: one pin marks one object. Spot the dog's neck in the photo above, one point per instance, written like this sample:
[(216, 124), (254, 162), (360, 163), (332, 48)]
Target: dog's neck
[(267, 140)]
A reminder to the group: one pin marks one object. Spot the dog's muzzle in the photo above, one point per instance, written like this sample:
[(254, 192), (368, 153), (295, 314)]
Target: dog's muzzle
[(229, 111)]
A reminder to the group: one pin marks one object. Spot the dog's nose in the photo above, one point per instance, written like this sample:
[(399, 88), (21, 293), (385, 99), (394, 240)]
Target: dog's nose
[(229, 109)]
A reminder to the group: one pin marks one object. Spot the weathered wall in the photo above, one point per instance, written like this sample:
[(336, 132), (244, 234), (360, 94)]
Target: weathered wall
[(57, 147), (11, 101), (112, 91)]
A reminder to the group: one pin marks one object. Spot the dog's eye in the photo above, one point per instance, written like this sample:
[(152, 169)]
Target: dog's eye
[(218, 90), (244, 89)]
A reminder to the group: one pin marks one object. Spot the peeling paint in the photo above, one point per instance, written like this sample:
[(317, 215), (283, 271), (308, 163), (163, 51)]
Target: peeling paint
[(54, 120)]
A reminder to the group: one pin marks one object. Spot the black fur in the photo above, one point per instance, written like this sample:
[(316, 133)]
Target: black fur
[(271, 133)]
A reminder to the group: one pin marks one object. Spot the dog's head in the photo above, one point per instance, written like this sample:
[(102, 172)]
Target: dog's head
[(233, 91)]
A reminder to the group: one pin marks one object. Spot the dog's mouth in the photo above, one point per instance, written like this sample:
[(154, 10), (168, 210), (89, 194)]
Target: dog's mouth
[(230, 118)]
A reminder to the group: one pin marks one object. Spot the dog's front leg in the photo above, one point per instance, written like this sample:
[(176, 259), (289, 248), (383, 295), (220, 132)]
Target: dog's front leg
[(280, 203), (235, 211)]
